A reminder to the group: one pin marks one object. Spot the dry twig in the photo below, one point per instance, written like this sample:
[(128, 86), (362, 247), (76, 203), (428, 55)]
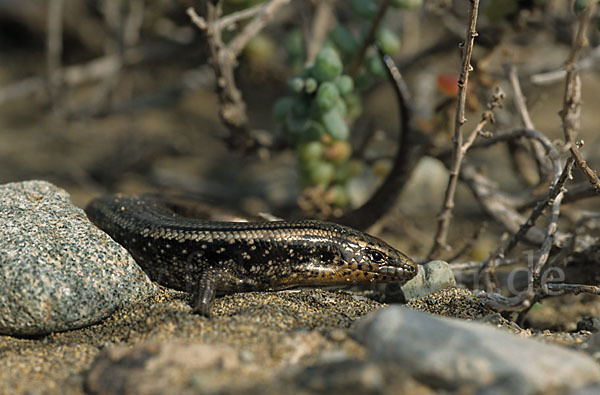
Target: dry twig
[(544, 168), (526, 299), (553, 76), (223, 58), (570, 113), (446, 213)]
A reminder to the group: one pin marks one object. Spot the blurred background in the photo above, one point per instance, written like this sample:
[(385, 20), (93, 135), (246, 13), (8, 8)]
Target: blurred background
[(119, 96)]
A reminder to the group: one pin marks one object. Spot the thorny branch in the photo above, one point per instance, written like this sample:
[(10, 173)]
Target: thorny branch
[(558, 75), (570, 113), (525, 300), (544, 169), (446, 213), (223, 58)]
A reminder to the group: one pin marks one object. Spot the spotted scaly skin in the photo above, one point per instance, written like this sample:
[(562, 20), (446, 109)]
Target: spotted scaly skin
[(207, 258)]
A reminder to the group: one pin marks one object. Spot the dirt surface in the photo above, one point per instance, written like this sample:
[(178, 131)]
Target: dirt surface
[(264, 333)]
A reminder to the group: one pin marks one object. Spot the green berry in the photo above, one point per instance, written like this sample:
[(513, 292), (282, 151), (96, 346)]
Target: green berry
[(388, 40), (327, 65), (259, 50), (301, 107), (293, 43), (296, 125), (353, 106), (310, 151), (313, 132), (282, 107), (580, 5), (338, 196), (364, 8), (334, 124), (321, 172), (342, 107), (375, 66), (327, 96), (345, 84), (310, 85), (344, 40), (296, 84), (407, 4)]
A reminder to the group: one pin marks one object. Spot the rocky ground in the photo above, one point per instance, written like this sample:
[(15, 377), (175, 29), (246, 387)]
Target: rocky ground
[(302, 341)]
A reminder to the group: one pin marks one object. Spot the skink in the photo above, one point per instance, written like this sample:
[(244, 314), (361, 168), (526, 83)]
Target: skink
[(207, 258)]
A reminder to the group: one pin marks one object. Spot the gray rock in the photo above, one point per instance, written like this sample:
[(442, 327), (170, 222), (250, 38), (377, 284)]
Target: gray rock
[(57, 270), (162, 368), (452, 354), (431, 277)]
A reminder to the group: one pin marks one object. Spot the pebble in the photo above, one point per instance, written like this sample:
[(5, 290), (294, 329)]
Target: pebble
[(58, 271), (160, 367), (431, 277), (468, 356), (591, 324)]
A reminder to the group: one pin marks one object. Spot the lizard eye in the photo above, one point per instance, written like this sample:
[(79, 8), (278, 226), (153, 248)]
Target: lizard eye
[(375, 256)]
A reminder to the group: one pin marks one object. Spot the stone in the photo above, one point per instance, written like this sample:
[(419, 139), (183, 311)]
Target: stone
[(450, 354), (161, 368), (57, 270), (431, 277)]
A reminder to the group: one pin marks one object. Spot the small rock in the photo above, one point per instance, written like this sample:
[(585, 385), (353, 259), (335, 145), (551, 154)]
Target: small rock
[(591, 324), (592, 346), (160, 368), (452, 354), (57, 270), (431, 277), (346, 376)]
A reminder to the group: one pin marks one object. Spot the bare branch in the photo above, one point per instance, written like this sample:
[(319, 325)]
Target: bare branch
[(92, 70), (554, 289), (499, 302), (543, 164), (269, 9), (223, 59), (228, 21), (551, 77), (555, 191), (570, 113), (486, 117), (446, 212)]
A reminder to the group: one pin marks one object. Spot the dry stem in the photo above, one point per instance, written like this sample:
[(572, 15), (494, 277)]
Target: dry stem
[(543, 164), (446, 213), (570, 113), (223, 58)]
